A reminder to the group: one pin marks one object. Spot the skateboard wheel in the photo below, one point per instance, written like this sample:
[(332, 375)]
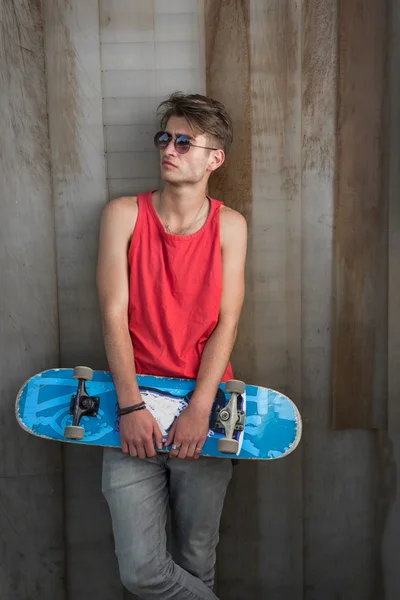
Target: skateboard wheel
[(74, 432), (236, 386), (83, 373), (227, 446)]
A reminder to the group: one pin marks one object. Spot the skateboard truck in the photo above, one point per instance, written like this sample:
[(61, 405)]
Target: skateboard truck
[(230, 418), (81, 404)]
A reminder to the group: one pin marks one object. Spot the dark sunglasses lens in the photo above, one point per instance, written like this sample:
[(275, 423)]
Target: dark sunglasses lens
[(182, 144), (161, 139)]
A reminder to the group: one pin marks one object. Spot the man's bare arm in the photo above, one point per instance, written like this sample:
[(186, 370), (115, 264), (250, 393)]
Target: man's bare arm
[(219, 346), (118, 220), (137, 429)]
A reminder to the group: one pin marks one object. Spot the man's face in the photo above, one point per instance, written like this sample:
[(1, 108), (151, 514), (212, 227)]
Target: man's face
[(196, 164)]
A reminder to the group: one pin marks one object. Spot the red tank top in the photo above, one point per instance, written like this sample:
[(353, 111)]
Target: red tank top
[(175, 286)]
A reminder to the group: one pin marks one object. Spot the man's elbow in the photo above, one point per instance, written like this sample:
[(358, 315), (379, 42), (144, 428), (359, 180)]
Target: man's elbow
[(229, 324), (113, 313)]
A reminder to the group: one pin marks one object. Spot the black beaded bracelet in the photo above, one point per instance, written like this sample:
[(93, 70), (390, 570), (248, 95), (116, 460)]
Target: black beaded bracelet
[(129, 409)]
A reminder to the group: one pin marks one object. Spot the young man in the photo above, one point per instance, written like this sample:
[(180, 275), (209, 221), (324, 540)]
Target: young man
[(171, 286)]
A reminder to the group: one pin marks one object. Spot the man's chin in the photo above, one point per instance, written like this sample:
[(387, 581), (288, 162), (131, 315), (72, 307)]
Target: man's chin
[(170, 177), (176, 178)]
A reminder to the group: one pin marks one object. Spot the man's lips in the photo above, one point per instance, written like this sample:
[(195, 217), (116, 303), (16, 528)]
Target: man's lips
[(168, 163)]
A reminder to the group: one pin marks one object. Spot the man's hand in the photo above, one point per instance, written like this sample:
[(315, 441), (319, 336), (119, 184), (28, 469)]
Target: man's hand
[(189, 432), (139, 430)]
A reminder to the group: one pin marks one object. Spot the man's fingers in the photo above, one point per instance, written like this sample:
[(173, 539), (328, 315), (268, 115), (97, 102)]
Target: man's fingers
[(198, 449), (158, 437), (183, 451), (171, 434), (195, 450), (132, 449), (191, 450), (176, 446), (149, 448), (141, 452)]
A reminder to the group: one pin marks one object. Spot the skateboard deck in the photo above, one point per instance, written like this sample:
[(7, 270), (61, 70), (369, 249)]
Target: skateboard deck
[(264, 424)]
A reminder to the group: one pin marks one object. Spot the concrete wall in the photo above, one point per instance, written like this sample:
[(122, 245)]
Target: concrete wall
[(31, 493), (322, 524), (148, 50), (71, 37), (391, 539)]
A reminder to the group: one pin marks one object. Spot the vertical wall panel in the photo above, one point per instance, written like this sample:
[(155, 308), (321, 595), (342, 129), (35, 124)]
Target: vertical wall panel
[(340, 469), (148, 50), (259, 81), (31, 495), (360, 318), (228, 77), (276, 121), (276, 262), (78, 165), (391, 540)]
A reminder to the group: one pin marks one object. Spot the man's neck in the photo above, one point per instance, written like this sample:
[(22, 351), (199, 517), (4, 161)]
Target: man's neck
[(182, 200)]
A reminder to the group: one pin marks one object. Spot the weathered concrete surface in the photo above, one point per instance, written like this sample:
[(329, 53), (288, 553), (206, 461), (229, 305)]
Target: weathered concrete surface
[(360, 306), (148, 50), (259, 80), (340, 468), (323, 524), (338, 489), (71, 30), (31, 496), (391, 538)]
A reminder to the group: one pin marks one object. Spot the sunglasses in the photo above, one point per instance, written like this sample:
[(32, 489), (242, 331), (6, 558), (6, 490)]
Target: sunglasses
[(182, 143)]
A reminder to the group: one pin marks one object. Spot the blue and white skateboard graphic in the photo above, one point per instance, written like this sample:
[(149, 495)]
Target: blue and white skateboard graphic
[(272, 424)]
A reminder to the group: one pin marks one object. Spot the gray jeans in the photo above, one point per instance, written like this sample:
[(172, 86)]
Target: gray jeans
[(138, 492)]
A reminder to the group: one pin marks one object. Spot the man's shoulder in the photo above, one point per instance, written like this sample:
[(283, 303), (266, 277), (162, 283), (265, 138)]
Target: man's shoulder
[(120, 214), (124, 205), (232, 219), (233, 227)]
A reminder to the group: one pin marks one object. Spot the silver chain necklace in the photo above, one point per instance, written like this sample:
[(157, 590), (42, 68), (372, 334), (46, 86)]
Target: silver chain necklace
[(167, 227)]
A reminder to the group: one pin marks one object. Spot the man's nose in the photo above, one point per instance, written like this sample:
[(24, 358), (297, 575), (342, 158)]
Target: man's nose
[(170, 148)]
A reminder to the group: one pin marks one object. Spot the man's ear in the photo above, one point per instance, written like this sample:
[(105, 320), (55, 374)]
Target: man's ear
[(216, 160)]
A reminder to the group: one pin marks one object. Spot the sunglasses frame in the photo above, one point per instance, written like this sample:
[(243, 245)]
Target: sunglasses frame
[(174, 140)]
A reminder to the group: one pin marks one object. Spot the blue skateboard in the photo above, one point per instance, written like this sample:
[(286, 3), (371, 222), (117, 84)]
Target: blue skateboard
[(80, 406)]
